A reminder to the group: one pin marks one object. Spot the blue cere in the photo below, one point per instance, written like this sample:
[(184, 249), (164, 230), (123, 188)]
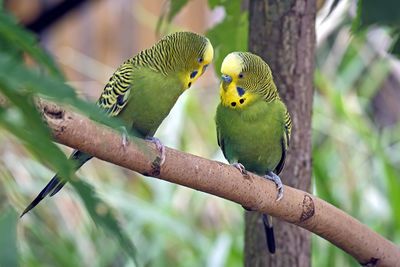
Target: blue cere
[(193, 74), (240, 91), (226, 78)]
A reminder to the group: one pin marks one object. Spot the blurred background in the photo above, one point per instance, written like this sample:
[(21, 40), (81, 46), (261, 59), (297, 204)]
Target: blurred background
[(356, 143)]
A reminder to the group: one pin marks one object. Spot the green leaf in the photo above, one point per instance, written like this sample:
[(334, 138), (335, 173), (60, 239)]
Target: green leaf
[(103, 215), (19, 79), (24, 40), (25, 123), (333, 6), (8, 240), (379, 13), (175, 7), (231, 34), (393, 183), (395, 47), (214, 3), (170, 9), (20, 85)]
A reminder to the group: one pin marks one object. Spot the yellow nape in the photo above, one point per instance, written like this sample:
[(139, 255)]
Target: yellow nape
[(232, 65)]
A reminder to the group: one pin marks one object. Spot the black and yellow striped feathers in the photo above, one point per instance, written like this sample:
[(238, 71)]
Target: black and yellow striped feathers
[(144, 88)]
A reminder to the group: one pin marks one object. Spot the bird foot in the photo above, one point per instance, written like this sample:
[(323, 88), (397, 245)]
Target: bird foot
[(159, 145), (275, 178), (247, 208), (241, 168), (125, 141)]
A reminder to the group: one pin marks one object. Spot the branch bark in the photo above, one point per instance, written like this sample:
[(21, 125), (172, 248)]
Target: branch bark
[(296, 206), (282, 32)]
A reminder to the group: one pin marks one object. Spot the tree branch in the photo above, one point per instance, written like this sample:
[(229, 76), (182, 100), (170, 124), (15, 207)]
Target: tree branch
[(297, 207)]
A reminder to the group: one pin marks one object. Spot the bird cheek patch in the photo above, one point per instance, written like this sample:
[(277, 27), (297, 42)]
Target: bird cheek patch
[(240, 91), (193, 74), (204, 68)]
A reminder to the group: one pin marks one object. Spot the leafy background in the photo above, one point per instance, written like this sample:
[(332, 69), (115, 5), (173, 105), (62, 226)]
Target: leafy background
[(117, 217)]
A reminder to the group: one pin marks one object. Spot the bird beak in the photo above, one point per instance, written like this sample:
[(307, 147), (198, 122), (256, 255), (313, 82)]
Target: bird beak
[(226, 78)]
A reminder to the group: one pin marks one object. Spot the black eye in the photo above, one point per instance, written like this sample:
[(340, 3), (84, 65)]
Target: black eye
[(189, 84), (241, 76), (200, 60), (233, 104), (241, 101)]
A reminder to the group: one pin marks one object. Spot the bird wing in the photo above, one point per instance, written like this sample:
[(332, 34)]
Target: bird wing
[(115, 94), (285, 142), (221, 143), (288, 129)]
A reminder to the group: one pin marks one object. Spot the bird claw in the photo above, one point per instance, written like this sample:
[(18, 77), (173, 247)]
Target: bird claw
[(159, 145), (247, 208), (241, 168), (125, 140), (275, 178)]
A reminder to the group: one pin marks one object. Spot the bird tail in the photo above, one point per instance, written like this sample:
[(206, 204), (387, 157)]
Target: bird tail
[(54, 183), (57, 183), (269, 232)]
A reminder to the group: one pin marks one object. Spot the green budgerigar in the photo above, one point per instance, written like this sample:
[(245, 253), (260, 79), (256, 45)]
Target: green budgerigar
[(253, 124), (144, 89)]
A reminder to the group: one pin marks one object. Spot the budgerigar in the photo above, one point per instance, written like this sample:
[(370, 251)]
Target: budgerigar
[(253, 124), (143, 90)]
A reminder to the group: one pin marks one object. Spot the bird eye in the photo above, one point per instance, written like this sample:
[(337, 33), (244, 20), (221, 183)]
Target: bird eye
[(241, 76), (200, 60)]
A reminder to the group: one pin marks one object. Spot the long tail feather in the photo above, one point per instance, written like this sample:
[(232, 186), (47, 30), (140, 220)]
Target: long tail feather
[(55, 182), (58, 188), (269, 233)]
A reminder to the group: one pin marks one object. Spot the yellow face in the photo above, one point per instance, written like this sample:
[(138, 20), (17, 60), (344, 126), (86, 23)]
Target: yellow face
[(232, 89), (202, 64)]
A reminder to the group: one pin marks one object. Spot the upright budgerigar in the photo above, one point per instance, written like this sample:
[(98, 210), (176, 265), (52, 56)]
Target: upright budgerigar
[(253, 124), (144, 89)]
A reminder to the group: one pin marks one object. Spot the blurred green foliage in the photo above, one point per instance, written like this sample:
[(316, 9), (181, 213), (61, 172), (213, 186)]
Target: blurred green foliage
[(230, 34), (356, 159), (8, 233), (19, 85), (379, 13)]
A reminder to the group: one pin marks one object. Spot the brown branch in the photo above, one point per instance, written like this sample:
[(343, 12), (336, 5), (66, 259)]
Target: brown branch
[(297, 207)]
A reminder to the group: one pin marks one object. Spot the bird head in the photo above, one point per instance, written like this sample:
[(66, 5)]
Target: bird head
[(245, 78), (193, 54)]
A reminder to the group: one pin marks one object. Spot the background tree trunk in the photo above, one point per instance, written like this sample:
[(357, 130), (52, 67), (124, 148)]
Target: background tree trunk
[(283, 34)]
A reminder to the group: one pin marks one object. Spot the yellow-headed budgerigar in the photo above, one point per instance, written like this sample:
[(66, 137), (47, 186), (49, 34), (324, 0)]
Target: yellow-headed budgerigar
[(253, 124)]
